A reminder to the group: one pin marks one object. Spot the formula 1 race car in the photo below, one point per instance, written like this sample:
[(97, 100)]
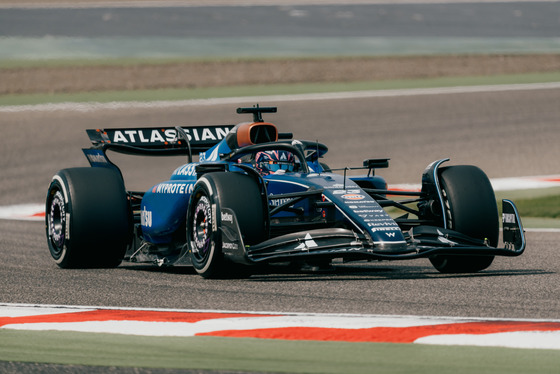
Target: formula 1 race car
[(257, 196)]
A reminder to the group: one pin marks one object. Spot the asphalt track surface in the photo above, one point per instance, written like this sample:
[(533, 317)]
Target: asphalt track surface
[(279, 28), (505, 133), (289, 19)]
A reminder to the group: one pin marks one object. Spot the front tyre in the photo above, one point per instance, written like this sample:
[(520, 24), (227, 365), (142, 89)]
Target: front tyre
[(87, 218), (241, 194), (470, 208)]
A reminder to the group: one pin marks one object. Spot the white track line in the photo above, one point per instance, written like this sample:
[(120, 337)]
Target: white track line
[(93, 106)]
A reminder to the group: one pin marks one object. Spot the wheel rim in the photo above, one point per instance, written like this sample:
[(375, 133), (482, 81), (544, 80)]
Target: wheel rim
[(57, 224), (202, 229)]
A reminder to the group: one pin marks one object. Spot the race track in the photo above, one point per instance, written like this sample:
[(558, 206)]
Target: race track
[(281, 28), (505, 133)]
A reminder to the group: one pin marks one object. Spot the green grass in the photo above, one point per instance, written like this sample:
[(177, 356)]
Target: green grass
[(279, 89), (59, 63), (151, 61), (540, 211), (261, 355), (544, 207), (131, 61), (538, 208)]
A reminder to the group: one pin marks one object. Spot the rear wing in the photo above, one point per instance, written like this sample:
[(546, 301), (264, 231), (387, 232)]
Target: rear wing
[(147, 139), (152, 141)]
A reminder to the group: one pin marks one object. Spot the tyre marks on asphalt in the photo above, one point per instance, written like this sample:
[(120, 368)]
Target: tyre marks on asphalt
[(532, 334)]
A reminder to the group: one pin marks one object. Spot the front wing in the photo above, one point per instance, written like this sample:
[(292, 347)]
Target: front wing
[(424, 241)]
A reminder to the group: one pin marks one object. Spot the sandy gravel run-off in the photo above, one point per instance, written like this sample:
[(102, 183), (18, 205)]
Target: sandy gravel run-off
[(263, 72)]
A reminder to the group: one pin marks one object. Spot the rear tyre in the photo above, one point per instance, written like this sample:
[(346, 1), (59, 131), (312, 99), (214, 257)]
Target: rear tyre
[(87, 218), (213, 192), (470, 208)]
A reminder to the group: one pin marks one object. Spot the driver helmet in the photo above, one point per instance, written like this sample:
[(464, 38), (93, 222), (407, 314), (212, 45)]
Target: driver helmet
[(270, 162)]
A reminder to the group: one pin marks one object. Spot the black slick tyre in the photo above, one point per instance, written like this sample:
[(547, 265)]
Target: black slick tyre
[(470, 208), (88, 221), (213, 192)]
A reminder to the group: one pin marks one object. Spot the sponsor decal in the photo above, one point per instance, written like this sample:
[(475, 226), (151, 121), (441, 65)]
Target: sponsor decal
[(278, 202), (383, 223), (336, 186), (146, 217), (508, 218), (364, 204), (97, 158), (308, 242), (207, 133), (230, 246), (375, 228), (146, 136), (227, 217), (353, 196), (188, 170), (340, 192), (214, 156), (68, 225), (173, 188)]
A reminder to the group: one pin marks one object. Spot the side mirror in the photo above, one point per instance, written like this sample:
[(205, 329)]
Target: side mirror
[(376, 163)]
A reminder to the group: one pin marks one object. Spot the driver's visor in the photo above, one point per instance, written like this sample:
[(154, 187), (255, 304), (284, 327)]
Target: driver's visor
[(274, 166)]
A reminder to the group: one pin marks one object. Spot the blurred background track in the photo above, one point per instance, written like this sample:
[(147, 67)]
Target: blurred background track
[(151, 45)]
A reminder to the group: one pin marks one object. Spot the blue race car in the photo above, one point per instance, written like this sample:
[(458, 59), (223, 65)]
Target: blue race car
[(257, 196)]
